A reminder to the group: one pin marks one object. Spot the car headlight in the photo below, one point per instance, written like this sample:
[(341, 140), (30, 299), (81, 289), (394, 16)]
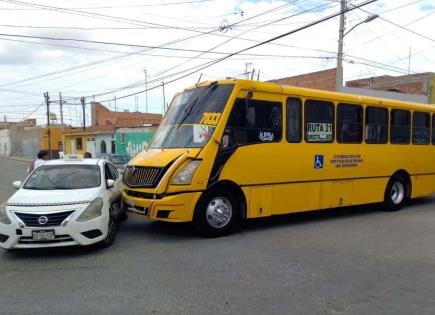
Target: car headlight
[(92, 211), (185, 175), (3, 215)]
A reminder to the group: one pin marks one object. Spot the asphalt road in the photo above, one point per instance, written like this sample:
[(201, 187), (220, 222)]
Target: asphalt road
[(356, 260)]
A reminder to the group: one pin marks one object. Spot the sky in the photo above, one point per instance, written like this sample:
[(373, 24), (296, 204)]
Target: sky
[(101, 50)]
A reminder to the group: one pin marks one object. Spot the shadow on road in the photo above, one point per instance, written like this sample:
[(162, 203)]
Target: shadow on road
[(183, 231)]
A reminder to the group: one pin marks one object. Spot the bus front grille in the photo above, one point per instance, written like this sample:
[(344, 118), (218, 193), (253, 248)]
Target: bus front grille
[(140, 176)]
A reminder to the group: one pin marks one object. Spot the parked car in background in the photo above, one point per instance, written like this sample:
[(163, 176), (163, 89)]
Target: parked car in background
[(119, 160), (73, 201)]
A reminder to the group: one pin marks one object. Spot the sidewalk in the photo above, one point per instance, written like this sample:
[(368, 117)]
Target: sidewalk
[(16, 158)]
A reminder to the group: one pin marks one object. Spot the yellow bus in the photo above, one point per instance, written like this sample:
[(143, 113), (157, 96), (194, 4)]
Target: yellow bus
[(236, 149)]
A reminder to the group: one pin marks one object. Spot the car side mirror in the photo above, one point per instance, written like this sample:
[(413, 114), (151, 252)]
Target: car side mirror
[(17, 184), (110, 183)]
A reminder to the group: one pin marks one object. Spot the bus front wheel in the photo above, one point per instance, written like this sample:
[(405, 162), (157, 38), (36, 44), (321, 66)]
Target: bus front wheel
[(396, 193), (216, 213)]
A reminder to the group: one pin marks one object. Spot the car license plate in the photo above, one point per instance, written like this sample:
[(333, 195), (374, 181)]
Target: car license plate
[(44, 235)]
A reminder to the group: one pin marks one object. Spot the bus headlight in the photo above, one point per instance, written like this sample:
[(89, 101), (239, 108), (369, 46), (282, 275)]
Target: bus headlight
[(92, 211), (185, 175), (3, 215)]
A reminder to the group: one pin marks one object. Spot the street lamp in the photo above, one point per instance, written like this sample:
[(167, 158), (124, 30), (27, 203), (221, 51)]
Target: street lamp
[(339, 72)]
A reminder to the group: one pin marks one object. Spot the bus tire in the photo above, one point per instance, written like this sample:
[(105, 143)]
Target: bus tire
[(396, 193), (216, 213)]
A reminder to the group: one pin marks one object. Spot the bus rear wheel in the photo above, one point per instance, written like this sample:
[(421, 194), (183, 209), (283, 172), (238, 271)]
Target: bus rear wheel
[(395, 194), (216, 213)]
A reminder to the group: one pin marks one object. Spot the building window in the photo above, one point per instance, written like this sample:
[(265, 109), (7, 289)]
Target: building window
[(79, 144), (319, 121), (400, 126), (59, 145), (420, 128), (113, 148), (103, 147), (376, 125), (123, 138), (349, 123), (433, 129), (294, 120), (254, 121)]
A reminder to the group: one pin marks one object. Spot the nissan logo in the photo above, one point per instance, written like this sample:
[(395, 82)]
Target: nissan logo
[(42, 220)]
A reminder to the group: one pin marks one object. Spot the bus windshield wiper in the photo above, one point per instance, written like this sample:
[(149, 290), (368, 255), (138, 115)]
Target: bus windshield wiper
[(192, 107)]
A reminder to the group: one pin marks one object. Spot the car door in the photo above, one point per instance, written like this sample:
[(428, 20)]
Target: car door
[(112, 173)]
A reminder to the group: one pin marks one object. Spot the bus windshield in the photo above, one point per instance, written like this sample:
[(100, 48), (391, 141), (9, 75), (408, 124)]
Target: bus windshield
[(192, 117)]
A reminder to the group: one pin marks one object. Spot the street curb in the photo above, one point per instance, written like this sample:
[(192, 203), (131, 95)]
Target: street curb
[(15, 158)]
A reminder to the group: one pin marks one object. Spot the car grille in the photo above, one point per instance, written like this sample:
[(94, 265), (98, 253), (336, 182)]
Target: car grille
[(139, 176), (33, 220), (58, 239)]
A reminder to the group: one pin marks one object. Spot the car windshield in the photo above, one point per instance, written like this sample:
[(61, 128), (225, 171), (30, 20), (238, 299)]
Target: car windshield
[(120, 159), (50, 177), (192, 117)]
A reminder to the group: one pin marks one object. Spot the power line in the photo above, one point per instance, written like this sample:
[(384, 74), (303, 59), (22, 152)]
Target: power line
[(207, 65), (124, 6)]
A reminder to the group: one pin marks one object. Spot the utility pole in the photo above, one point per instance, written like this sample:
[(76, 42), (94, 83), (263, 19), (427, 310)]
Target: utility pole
[(258, 75), (146, 90), (164, 101), (339, 72), (82, 100), (47, 102), (115, 103), (61, 108), (252, 74), (409, 61), (246, 70)]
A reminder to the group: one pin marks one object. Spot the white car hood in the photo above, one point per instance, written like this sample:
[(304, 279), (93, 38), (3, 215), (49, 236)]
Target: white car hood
[(29, 197)]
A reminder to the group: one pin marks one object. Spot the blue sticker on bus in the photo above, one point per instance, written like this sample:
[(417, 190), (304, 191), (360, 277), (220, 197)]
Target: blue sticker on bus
[(318, 161)]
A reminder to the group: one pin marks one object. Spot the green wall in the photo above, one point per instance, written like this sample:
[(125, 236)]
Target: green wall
[(135, 140)]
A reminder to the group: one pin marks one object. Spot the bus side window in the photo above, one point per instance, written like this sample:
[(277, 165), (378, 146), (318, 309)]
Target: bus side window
[(294, 120), (319, 121), (254, 121), (376, 125), (420, 128), (349, 123), (433, 129), (400, 126)]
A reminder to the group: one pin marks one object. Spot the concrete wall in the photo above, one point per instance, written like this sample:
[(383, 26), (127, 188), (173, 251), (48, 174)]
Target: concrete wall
[(25, 141), (5, 143), (131, 141), (386, 94), (107, 138)]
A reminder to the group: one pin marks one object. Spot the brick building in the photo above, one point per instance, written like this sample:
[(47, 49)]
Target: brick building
[(417, 84), (322, 80), (419, 88), (102, 116)]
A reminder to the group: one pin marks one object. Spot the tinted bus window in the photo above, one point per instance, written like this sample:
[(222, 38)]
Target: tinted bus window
[(400, 126), (376, 125), (420, 128), (319, 121), (433, 129), (254, 122), (294, 120), (349, 123)]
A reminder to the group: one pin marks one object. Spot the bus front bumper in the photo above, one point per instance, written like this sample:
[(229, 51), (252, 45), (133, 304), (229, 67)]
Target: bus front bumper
[(177, 207)]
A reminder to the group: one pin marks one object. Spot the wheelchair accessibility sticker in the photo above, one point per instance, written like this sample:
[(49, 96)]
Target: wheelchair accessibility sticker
[(318, 161)]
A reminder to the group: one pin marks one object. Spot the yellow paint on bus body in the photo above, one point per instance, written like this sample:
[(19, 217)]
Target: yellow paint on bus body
[(281, 177)]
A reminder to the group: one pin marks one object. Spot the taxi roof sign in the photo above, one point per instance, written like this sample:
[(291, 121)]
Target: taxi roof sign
[(72, 157)]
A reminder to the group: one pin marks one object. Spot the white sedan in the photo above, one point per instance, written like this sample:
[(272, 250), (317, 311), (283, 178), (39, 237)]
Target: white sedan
[(62, 203)]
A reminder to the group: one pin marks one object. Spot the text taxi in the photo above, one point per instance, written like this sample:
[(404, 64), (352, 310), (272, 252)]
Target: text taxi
[(66, 202)]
